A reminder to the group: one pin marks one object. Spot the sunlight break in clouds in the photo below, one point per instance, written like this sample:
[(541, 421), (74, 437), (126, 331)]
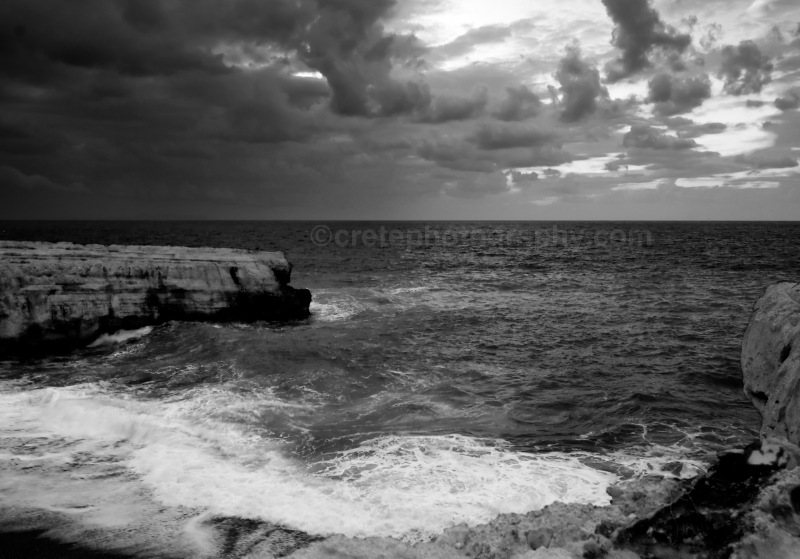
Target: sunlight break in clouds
[(391, 110)]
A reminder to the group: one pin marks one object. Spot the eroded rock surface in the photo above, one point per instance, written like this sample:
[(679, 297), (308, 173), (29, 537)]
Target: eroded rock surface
[(771, 361), (63, 294)]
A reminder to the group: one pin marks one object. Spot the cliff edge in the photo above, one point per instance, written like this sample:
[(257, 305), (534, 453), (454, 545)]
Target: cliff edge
[(61, 295), (771, 361)]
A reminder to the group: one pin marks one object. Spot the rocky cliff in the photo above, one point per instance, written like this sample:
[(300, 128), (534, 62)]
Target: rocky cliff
[(771, 361), (62, 295)]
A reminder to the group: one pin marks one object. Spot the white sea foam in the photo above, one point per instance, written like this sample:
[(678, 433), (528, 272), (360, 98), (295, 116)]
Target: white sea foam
[(405, 486), (330, 306), (121, 336)]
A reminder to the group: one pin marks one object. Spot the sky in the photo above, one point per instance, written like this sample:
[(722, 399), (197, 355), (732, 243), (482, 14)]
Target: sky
[(400, 109)]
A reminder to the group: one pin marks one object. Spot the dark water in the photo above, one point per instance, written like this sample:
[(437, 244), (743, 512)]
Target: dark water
[(462, 368)]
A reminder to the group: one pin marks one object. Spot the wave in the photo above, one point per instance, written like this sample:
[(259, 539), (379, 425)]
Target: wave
[(405, 486), (121, 336), (334, 306)]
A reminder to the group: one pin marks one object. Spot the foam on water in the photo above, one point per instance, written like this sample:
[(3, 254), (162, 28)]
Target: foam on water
[(411, 487), (331, 306), (121, 336)]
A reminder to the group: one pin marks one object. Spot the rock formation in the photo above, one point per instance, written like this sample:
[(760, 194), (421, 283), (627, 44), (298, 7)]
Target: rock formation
[(59, 295), (771, 361)]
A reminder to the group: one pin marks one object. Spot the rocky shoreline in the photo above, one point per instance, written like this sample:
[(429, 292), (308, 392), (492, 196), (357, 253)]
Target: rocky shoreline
[(746, 506), (59, 296)]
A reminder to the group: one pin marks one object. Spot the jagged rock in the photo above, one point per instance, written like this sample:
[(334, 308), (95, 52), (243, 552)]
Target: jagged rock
[(774, 520), (577, 530), (539, 538), (710, 519), (374, 548), (771, 361), (61, 295), (642, 497)]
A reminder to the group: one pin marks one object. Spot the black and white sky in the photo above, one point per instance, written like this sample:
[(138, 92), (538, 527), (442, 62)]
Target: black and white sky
[(400, 109)]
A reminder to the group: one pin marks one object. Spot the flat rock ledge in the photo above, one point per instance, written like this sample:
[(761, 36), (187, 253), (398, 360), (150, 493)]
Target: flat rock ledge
[(62, 295)]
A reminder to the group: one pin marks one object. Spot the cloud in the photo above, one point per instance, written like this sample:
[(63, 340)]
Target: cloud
[(644, 136), (15, 178), (445, 108), (784, 161), (24, 137), (306, 108), (672, 95), (688, 129), (473, 185), (788, 102), (518, 177), (396, 98), (346, 43), (504, 136), (638, 31), (459, 156), (477, 36), (580, 86), (495, 147), (520, 103), (744, 69)]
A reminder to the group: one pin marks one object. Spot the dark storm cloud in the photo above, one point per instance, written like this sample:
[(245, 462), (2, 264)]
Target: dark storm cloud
[(471, 185), (788, 102), (346, 43), (455, 155), (761, 161), (495, 147), (681, 163), (396, 98), (672, 95), (342, 39), (580, 86), (14, 178), (445, 108), (518, 177), (24, 137), (196, 99), (503, 136), (520, 103), (691, 130), (638, 31), (644, 136), (744, 68), (136, 38)]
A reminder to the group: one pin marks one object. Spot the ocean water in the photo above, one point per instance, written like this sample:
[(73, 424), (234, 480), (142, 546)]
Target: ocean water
[(449, 372)]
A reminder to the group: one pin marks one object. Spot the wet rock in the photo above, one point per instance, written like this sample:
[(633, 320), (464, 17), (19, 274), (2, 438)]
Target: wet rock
[(709, 519), (774, 524), (641, 497), (62, 295), (557, 528), (240, 537), (374, 548)]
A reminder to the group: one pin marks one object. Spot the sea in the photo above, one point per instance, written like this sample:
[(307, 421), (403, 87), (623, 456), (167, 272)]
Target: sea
[(448, 372)]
